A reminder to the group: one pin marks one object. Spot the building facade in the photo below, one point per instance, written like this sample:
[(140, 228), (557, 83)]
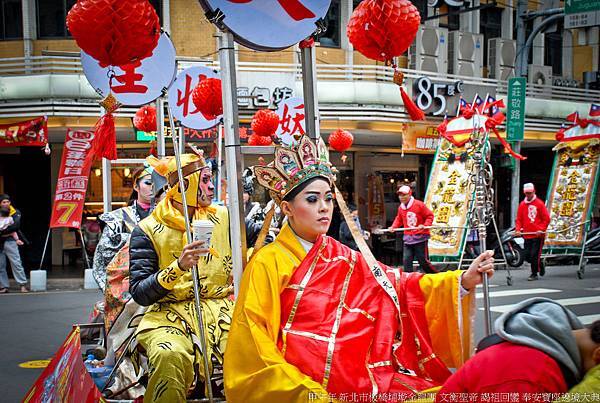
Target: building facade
[(456, 53)]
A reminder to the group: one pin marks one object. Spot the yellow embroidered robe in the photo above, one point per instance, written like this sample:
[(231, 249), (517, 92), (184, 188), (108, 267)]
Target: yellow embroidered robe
[(177, 309), (256, 369)]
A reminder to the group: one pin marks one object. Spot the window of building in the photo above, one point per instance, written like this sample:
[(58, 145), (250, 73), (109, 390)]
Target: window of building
[(452, 20), (51, 18), (11, 20), (52, 15), (553, 49), (331, 37), (490, 23)]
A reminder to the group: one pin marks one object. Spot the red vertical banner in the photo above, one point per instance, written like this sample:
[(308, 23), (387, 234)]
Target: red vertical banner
[(376, 202), (72, 180)]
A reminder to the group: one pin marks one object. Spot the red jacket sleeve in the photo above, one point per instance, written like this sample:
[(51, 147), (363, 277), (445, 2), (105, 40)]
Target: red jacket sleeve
[(544, 217), (398, 220), (427, 215)]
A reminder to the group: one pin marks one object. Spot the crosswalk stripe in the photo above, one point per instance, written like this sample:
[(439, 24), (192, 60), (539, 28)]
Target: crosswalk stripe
[(587, 319), (524, 292), (565, 302)]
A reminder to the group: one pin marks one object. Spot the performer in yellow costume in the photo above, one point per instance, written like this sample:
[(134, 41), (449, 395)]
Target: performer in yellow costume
[(316, 320), (160, 263)]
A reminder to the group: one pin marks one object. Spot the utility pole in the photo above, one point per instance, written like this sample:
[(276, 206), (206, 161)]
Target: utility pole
[(523, 47), (519, 63)]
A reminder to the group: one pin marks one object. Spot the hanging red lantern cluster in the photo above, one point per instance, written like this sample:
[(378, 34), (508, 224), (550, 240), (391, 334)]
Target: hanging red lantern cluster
[(256, 140), (264, 125), (265, 122), (341, 140), (208, 98), (382, 30), (114, 32), (145, 119)]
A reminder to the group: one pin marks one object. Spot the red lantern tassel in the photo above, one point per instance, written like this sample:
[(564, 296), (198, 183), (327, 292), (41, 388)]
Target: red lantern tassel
[(104, 144), (412, 109)]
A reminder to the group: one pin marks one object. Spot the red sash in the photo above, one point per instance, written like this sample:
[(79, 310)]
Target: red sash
[(339, 327)]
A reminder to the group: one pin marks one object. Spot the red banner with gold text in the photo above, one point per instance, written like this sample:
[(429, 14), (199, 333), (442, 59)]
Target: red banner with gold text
[(72, 180), (65, 379), (26, 133)]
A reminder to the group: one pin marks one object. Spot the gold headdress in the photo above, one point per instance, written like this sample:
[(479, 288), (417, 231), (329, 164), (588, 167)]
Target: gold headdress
[(293, 166), (192, 164)]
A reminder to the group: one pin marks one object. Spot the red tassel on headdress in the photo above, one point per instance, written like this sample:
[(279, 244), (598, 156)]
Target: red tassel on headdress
[(104, 144), (413, 110)]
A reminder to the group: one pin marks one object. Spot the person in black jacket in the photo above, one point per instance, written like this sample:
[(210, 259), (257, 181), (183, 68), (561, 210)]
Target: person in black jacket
[(9, 248), (161, 278), (345, 235)]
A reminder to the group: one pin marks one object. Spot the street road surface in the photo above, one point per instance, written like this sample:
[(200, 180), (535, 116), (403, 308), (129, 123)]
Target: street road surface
[(34, 325)]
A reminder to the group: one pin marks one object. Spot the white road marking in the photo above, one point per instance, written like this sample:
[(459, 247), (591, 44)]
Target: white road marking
[(524, 292), (565, 302), (588, 319)]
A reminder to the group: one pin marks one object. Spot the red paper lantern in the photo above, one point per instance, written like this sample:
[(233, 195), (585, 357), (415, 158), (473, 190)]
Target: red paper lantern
[(114, 32), (381, 29), (265, 122), (207, 97), (341, 140), (255, 140), (145, 119)]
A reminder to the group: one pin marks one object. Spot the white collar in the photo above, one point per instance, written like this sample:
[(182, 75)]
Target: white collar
[(530, 201), (305, 244), (409, 204)]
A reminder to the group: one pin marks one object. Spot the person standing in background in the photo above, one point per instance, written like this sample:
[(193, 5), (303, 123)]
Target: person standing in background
[(9, 248), (413, 215), (532, 221)]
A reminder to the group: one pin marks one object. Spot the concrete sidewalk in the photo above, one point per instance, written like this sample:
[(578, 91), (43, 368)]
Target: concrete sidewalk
[(53, 284), (58, 278)]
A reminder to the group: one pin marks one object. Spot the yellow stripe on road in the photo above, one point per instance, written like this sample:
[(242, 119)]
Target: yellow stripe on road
[(35, 364)]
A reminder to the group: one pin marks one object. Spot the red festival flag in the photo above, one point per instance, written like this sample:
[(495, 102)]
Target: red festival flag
[(72, 180), (573, 117), (595, 110), (26, 133)]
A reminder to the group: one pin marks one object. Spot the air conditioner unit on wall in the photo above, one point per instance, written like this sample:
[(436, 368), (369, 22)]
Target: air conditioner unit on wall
[(501, 58), (429, 51), (465, 53), (539, 75)]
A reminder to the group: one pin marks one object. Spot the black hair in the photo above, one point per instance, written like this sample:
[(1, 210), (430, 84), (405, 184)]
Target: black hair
[(4, 196), (292, 195), (595, 331), (352, 207)]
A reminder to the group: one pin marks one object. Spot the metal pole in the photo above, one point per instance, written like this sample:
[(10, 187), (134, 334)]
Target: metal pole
[(508, 275), (160, 127), (309, 86), (45, 246), (83, 251), (106, 185), (188, 234), (481, 208), (233, 157), (581, 268), (219, 159)]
